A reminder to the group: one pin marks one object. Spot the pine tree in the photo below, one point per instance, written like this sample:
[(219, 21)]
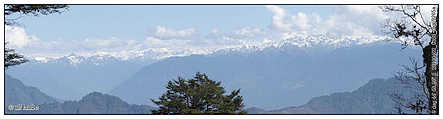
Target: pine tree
[(12, 58), (18, 10), (198, 95)]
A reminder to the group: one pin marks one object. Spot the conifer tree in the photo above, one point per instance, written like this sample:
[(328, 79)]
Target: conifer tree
[(12, 58), (198, 95)]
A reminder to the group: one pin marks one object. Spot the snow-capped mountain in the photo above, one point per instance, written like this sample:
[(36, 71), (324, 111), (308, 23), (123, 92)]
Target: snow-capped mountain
[(65, 76), (149, 55), (101, 58), (296, 68)]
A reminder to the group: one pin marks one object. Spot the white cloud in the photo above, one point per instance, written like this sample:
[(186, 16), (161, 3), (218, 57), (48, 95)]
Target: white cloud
[(17, 37), (279, 18), (345, 20), (284, 21), (301, 20), (170, 33)]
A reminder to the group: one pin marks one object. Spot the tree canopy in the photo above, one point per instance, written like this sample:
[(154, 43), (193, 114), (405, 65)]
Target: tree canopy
[(31, 9), (12, 58), (198, 95)]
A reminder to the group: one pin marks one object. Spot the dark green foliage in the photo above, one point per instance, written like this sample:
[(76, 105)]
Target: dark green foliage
[(34, 9), (12, 58), (199, 95), (31, 9)]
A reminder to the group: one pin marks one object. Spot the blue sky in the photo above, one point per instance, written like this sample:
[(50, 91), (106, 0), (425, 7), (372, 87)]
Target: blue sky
[(114, 28), (133, 21)]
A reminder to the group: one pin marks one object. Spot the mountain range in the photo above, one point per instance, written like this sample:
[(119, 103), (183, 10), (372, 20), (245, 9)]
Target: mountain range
[(372, 98), (18, 93), (297, 69), (66, 76), (93, 103), (293, 74)]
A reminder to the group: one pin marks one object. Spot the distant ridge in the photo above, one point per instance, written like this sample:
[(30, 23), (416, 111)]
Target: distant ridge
[(371, 98), (18, 93), (93, 103)]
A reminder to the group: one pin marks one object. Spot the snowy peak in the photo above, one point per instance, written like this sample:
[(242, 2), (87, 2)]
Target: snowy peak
[(289, 40), (74, 59), (331, 40)]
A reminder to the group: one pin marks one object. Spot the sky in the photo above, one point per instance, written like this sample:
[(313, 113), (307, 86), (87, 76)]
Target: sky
[(88, 29)]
